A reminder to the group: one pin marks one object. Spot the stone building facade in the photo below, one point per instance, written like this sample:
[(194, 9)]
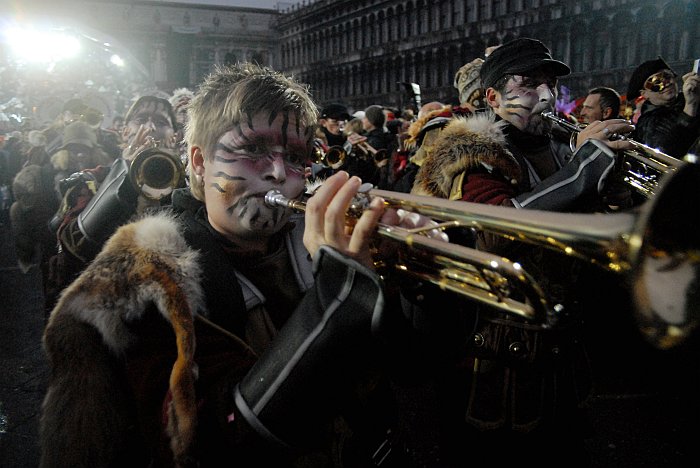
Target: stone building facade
[(357, 51)]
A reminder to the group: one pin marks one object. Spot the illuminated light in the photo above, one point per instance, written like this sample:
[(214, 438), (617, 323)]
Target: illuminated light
[(494, 264), (568, 250), (42, 46), (117, 60), (517, 266)]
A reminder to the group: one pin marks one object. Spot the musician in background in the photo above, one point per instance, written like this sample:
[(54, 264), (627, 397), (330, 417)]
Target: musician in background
[(669, 119), (511, 391), (99, 199), (601, 104)]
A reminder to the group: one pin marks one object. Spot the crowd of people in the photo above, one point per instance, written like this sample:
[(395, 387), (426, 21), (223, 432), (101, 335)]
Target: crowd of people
[(195, 322)]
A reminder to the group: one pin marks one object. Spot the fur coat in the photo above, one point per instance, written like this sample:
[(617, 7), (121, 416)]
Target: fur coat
[(470, 143), (104, 344)]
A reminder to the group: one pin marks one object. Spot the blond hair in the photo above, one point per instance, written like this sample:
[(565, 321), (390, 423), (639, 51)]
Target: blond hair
[(235, 93)]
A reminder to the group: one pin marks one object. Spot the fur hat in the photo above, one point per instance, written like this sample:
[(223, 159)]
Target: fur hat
[(641, 73), (375, 116), (79, 133), (519, 56), (180, 98), (468, 83), (36, 138)]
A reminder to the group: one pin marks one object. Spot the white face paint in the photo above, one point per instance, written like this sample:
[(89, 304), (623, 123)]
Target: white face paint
[(248, 161), (524, 99)]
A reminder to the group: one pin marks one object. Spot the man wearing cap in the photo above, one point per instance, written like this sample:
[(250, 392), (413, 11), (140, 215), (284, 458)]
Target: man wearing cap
[(519, 384), (669, 119), (332, 120), (330, 133)]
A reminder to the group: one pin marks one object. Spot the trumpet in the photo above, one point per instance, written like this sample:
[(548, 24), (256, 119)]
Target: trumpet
[(378, 155), (333, 156), (640, 168), (156, 172), (657, 249)]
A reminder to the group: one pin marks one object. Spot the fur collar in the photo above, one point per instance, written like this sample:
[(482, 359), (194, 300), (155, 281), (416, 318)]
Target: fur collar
[(145, 262), (465, 143)]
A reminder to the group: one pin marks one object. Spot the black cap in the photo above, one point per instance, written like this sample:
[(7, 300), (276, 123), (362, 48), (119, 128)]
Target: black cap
[(519, 57), (335, 111), (641, 73)]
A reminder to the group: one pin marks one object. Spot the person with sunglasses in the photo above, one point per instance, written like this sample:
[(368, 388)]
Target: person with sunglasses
[(669, 116)]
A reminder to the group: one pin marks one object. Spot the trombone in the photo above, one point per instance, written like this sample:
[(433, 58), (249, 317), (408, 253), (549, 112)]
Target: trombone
[(640, 168), (657, 250)]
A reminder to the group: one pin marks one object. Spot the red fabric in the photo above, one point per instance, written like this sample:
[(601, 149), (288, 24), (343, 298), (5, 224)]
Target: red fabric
[(485, 188)]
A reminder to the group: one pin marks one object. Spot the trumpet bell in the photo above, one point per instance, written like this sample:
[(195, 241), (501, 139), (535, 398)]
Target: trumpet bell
[(666, 274), (155, 173), (333, 157)]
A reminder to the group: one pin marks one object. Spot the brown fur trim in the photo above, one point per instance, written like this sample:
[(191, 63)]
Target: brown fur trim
[(416, 126), (146, 262), (464, 143)]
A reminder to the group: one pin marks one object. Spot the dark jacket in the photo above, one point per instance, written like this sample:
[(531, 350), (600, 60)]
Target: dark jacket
[(667, 128), (508, 375)]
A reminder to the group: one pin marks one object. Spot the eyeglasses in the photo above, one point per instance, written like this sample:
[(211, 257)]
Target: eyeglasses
[(659, 81)]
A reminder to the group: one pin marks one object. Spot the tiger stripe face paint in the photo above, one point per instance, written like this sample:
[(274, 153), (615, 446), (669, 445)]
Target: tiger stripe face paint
[(524, 99), (262, 153)]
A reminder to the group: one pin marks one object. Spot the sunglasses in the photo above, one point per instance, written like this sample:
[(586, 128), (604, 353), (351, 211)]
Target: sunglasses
[(659, 81)]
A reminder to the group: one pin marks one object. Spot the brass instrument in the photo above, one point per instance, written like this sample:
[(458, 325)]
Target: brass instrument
[(378, 155), (657, 250), (640, 168), (333, 156), (155, 172)]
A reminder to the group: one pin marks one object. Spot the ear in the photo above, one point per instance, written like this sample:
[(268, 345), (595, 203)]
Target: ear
[(197, 160), (493, 98), (607, 113)]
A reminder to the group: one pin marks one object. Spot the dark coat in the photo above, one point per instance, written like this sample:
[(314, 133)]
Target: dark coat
[(667, 128)]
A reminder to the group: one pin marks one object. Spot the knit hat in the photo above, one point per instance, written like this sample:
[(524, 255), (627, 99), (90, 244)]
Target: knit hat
[(641, 73), (375, 116), (335, 111), (79, 133), (468, 83), (518, 57), (144, 100)]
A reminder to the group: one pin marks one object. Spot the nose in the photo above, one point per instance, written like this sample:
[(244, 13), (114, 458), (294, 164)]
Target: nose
[(545, 93), (275, 170)]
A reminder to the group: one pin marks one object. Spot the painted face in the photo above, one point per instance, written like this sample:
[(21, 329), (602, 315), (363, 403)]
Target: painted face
[(249, 160), (154, 117), (524, 99), (590, 109)]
